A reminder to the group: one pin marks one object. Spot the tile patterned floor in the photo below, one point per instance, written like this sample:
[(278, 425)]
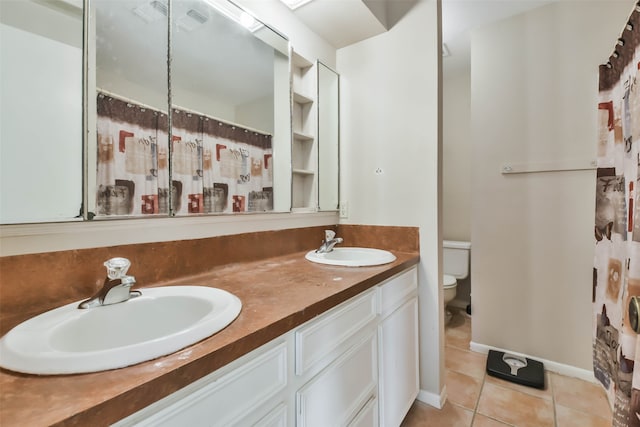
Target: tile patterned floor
[(478, 400)]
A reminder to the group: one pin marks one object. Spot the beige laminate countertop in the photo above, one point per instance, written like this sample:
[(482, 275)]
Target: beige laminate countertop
[(277, 294)]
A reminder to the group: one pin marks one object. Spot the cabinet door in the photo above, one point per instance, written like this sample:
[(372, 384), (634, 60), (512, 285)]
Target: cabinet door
[(396, 291), (398, 383), (338, 394), (225, 401), (322, 340), (368, 417), (276, 418)]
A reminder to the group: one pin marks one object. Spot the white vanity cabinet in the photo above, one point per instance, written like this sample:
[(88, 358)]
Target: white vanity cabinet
[(336, 358), (398, 347), (355, 365), (250, 391)]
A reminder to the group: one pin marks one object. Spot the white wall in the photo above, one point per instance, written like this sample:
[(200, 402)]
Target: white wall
[(390, 122), (456, 154), (456, 163), (533, 99), (257, 114)]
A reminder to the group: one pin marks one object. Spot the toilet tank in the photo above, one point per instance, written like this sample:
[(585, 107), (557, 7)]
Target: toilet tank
[(455, 258)]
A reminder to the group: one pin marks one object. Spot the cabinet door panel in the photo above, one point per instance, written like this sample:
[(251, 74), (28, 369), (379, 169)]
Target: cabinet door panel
[(398, 387), (396, 291), (338, 393), (276, 418), (229, 398), (317, 342), (368, 417)]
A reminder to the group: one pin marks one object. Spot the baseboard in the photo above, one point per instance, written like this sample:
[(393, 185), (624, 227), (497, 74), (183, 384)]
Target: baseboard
[(432, 399), (549, 365)]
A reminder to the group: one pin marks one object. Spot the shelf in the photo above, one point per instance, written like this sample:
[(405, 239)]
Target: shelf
[(301, 99), (304, 149), (303, 136), (300, 61), (303, 172)]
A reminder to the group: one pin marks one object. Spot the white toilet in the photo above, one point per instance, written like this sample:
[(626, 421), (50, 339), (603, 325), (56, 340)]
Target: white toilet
[(455, 262)]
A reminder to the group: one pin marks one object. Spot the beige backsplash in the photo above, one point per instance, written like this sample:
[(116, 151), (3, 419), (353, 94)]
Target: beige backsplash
[(34, 283)]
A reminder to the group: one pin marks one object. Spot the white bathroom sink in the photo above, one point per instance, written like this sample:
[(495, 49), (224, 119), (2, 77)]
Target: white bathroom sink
[(352, 257), (161, 321)]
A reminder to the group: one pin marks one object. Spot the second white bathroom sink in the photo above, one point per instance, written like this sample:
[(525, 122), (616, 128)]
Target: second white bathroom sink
[(163, 320), (352, 257)]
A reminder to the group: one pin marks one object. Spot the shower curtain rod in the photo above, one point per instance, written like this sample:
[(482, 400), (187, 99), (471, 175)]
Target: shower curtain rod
[(623, 41), (129, 100), (186, 110), (226, 122)]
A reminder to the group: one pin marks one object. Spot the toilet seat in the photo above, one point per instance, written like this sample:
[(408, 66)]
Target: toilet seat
[(448, 281)]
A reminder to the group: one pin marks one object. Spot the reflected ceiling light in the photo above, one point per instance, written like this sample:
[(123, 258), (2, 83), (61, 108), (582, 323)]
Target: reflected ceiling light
[(234, 13), (191, 20), (152, 11), (294, 4), (247, 20)]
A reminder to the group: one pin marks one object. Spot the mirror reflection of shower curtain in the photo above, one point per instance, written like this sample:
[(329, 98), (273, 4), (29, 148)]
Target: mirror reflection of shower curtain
[(132, 154), (616, 348), (187, 163), (217, 167), (220, 167)]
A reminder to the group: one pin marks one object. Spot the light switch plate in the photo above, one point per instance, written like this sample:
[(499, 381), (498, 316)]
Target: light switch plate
[(344, 209)]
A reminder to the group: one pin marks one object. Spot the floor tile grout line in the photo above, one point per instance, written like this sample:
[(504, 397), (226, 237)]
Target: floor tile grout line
[(482, 389), (475, 407), (520, 390), (553, 402), (475, 411)]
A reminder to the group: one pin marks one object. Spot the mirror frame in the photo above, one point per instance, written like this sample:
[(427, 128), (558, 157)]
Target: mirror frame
[(337, 136)]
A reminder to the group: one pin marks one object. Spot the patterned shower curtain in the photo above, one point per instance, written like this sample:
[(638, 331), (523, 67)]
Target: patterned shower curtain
[(132, 169), (218, 167), (616, 278)]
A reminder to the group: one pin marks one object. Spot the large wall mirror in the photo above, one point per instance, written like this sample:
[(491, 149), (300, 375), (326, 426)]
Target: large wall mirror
[(40, 110), (131, 142), (186, 108), (227, 131), (328, 138)]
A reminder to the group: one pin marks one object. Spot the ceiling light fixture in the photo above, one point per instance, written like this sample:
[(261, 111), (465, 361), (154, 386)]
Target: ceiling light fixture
[(191, 20), (294, 4), (236, 14), (152, 11)]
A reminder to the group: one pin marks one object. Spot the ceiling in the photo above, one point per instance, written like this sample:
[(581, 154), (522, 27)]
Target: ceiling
[(344, 22)]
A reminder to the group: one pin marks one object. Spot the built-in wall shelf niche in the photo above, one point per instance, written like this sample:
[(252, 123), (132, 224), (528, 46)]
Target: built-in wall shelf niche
[(301, 99), (303, 172), (303, 136), (304, 149)]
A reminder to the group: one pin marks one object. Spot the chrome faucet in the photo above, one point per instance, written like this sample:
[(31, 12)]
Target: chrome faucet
[(330, 240), (117, 285)]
